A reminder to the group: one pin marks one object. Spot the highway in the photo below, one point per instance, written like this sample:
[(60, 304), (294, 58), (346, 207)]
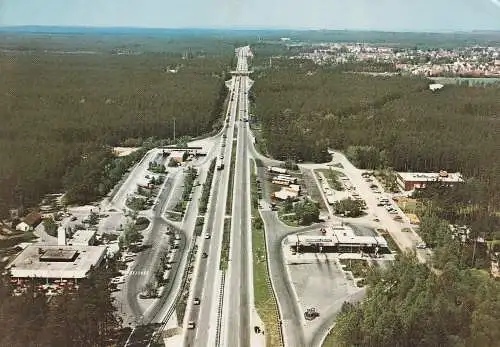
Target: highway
[(205, 285), (239, 287)]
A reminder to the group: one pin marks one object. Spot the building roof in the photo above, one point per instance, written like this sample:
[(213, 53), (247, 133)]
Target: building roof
[(177, 154), (345, 235), (338, 235), (284, 194), (44, 261), (82, 237), (32, 218), (435, 86), (312, 239), (430, 177)]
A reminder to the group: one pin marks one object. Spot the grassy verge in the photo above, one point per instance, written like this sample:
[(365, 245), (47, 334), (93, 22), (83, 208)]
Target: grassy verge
[(259, 162), (180, 310), (330, 340), (199, 225), (186, 192), (229, 202), (260, 141), (333, 178), (226, 239), (206, 188), (313, 189), (174, 216), (289, 219), (265, 302), (390, 241)]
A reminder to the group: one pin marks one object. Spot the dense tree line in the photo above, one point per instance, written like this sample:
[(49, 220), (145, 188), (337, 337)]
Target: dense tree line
[(409, 305), (60, 112), (86, 318), (396, 120)]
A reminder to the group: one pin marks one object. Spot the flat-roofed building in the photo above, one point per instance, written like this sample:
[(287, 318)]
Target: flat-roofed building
[(83, 238), (56, 262), (338, 239), (284, 194), (418, 180)]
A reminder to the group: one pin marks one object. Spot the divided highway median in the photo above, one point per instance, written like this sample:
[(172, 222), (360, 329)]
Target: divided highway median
[(206, 188), (229, 202), (265, 302), (226, 238)]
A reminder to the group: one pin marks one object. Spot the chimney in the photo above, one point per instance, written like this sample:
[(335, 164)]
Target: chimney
[(61, 237)]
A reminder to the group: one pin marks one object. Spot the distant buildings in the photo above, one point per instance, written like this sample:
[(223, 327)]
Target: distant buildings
[(417, 180), (461, 61)]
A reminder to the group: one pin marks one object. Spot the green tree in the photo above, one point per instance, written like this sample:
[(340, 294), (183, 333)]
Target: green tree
[(50, 226), (288, 205), (348, 207), (307, 212)]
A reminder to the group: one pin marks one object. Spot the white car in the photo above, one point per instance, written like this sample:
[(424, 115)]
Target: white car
[(207, 236), (422, 245)]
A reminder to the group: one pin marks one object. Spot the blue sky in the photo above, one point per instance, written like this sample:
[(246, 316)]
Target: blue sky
[(398, 15)]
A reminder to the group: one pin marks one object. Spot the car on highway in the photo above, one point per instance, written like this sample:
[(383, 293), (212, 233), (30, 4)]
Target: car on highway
[(191, 324), (204, 255), (207, 235), (196, 301)]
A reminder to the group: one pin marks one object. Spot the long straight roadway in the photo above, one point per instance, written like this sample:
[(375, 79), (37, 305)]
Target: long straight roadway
[(238, 291), (204, 285)]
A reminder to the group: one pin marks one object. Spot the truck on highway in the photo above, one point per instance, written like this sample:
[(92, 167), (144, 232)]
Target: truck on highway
[(279, 170), (220, 164)]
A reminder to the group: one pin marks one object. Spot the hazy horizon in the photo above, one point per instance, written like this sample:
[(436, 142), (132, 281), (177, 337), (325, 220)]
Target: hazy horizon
[(235, 28), (357, 15)]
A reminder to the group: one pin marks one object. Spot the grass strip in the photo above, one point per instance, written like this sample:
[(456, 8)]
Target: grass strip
[(229, 202), (226, 239), (265, 302), (206, 188)]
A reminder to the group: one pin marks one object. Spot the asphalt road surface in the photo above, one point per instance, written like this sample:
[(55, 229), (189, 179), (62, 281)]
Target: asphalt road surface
[(155, 242), (206, 274), (239, 288)]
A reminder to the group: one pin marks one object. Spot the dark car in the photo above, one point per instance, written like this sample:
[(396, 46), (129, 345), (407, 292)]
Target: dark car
[(204, 255)]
